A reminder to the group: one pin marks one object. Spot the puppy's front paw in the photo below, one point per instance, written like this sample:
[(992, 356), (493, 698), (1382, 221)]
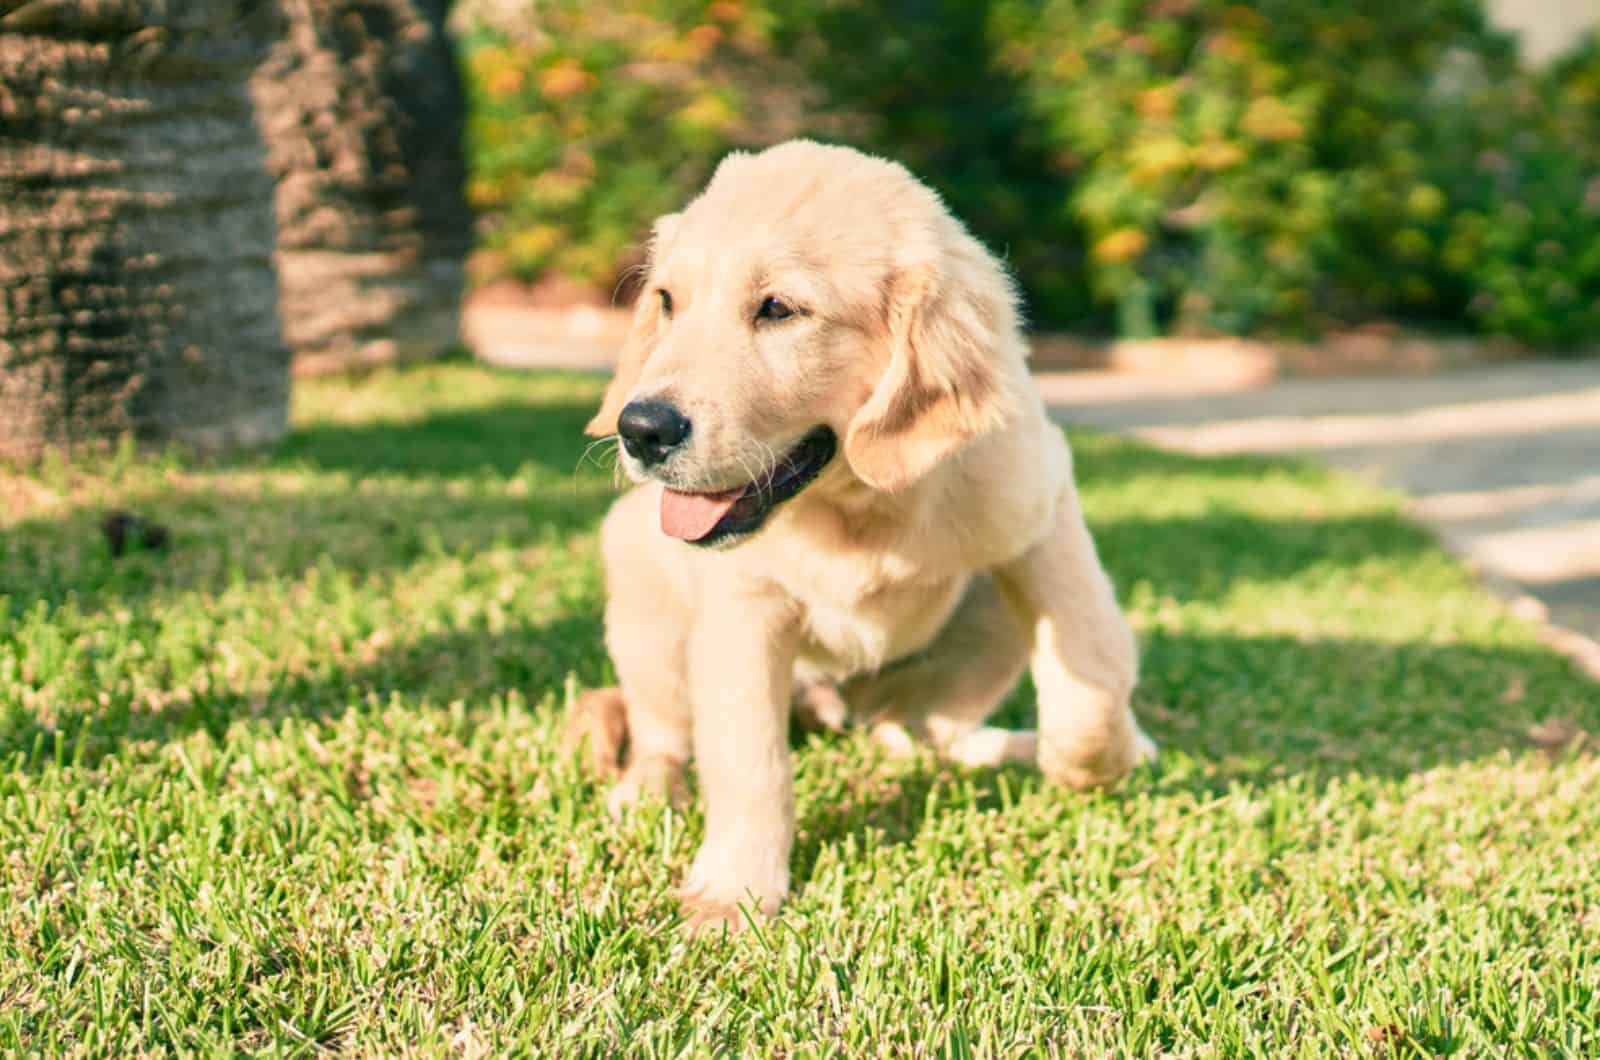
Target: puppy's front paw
[(702, 919), (722, 893), (1084, 765), (656, 777)]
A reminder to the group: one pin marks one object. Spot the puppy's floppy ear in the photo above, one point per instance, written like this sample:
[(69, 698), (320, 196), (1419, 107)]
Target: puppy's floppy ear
[(952, 329), (640, 339)]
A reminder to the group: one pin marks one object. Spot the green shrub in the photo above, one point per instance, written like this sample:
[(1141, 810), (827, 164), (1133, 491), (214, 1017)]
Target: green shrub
[(1520, 244), (1144, 165), (1242, 166)]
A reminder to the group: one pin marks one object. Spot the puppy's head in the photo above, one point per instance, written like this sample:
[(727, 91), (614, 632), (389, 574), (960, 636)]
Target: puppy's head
[(815, 313)]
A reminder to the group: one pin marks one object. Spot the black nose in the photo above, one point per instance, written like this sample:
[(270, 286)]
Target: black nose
[(651, 430)]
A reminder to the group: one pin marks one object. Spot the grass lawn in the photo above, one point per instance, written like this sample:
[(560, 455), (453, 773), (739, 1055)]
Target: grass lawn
[(292, 784)]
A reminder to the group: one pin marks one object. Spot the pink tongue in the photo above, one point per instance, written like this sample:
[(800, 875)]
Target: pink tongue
[(691, 516)]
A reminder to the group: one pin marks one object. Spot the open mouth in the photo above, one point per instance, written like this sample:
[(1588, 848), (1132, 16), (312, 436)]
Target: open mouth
[(707, 518)]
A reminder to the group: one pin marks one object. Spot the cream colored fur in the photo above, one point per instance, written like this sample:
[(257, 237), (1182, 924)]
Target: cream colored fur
[(941, 551)]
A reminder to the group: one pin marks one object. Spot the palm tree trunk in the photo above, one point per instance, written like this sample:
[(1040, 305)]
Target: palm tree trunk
[(137, 293), (362, 108)]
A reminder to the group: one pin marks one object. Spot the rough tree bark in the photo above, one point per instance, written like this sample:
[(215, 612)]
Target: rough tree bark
[(136, 285), (363, 111)]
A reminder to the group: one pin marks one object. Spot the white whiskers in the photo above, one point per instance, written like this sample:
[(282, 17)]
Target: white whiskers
[(608, 444)]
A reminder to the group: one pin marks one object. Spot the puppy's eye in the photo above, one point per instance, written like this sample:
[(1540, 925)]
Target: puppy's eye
[(774, 309), (666, 301)]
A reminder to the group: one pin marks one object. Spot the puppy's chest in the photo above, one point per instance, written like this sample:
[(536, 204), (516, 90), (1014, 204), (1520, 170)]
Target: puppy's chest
[(859, 634)]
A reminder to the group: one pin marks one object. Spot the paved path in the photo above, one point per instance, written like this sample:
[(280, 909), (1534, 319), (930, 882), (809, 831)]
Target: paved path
[(1503, 462)]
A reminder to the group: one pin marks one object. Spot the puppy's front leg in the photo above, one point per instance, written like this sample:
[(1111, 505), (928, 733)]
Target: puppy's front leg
[(741, 665), (1084, 660)]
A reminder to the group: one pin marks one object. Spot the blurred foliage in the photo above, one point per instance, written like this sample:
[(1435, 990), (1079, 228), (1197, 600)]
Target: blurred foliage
[(586, 124), (1143, 165), (1520, 244), (1236, 166)]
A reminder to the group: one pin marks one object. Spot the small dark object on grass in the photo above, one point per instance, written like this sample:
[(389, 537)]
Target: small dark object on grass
[(127, 532)]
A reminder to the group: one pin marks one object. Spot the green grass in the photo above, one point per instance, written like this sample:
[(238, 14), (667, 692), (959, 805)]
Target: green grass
[(292, 785)]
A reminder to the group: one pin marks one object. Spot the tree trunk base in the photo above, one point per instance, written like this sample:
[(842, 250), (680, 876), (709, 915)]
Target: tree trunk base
[(137, 295)]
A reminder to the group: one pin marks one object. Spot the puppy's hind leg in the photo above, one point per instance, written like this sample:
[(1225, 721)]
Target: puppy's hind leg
[(944, 693)]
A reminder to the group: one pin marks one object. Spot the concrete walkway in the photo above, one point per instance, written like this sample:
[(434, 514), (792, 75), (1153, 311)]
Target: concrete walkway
[(1503, 462)]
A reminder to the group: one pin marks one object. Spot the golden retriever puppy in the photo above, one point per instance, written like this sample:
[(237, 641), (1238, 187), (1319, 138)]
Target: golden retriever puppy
[(849, 493)]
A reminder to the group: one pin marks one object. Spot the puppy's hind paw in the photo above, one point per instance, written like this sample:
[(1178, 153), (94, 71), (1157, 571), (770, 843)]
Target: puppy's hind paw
[(1148, 752), (656, 777), (598, 724)]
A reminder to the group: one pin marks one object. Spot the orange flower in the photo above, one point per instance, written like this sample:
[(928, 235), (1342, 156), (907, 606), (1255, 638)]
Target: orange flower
[(704, 38), (1159, 102), (506, 81), (565, 79), (1120, 246)]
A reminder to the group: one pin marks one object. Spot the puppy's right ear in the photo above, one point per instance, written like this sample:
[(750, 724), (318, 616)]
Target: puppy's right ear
[(951, 326), (640, 339)]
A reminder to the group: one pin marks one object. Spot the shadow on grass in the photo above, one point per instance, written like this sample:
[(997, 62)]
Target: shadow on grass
[(1202, 557), (377, 498), (1105, 458), (493, 440)]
